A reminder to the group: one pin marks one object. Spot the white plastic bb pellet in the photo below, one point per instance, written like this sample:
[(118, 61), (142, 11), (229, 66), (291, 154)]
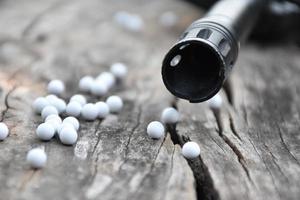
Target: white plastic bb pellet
[(85, 83), (155, 130), (51, 98), (56, 87), (68, 136), (78, 98), (115, 104), (170, 116), (39, 104), (4, 131), (49, 110), (36, 158), (53, 117), (99, 88), (64, 125), (119, 70), (190, 150), (73, 109), (215, 102), (107, 78), (168, 19), (89, 111), (60, 105), (73, 121), (45, 131), (103, 109)]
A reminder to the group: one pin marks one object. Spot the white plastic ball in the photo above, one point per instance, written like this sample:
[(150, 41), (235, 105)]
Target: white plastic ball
[(85, 83), (115, 104), (168, 19), (39, 104), (170, 116), (135, 23), (89, 111), (68, 136), (215, 102), (99, 88), (49, 110), (190, 150), (55, 124), (51, 98), (64, 125), (119, 70), (103, 109), (78, 98), (45, 131), (107, 78), (73, 109), (37, 158), (73, 121), (3, 131), (155, 130), (53, 117), (56, 87), (121, 17), (60, 105)]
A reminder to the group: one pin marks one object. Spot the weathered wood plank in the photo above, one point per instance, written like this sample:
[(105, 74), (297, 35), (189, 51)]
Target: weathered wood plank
[(251, 148)]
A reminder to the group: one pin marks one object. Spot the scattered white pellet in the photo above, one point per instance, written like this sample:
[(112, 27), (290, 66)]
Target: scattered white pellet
[(115, 104), (85, 83), (64, 125), (190, 150), (51, 98), (3, 131), (215, 102), (107, 78), (48, 110), (55, 124), (56, 87), (103, 109), (60, 105), (135, 23), (168, 19), (45, 131), (99, 88), (89, 111), (78, 98), (155, 130), (170, 116), (73, 121), (129, 21), (121, 17), (119, 70), (73, 109), (39, 104), (53, 117), (37, 158), (68, 136)]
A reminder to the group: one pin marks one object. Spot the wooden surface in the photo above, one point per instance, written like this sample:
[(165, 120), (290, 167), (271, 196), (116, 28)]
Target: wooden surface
[(250, 148)]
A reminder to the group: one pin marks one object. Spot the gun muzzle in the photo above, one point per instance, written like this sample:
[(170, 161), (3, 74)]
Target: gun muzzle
[(199, 63)]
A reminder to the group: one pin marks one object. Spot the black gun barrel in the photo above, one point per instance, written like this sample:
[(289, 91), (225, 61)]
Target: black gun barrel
[(198, 64)]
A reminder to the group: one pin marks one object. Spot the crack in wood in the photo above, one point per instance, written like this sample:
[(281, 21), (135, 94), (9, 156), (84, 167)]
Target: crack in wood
[(151, 167), (26, 31), (233, 128), (203, 181), (228, 90), (286, 146), (6, 104), (233, 147), (267, 168)]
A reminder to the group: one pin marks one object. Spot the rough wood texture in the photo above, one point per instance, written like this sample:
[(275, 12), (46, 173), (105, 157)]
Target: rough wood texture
[(250, 149)]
